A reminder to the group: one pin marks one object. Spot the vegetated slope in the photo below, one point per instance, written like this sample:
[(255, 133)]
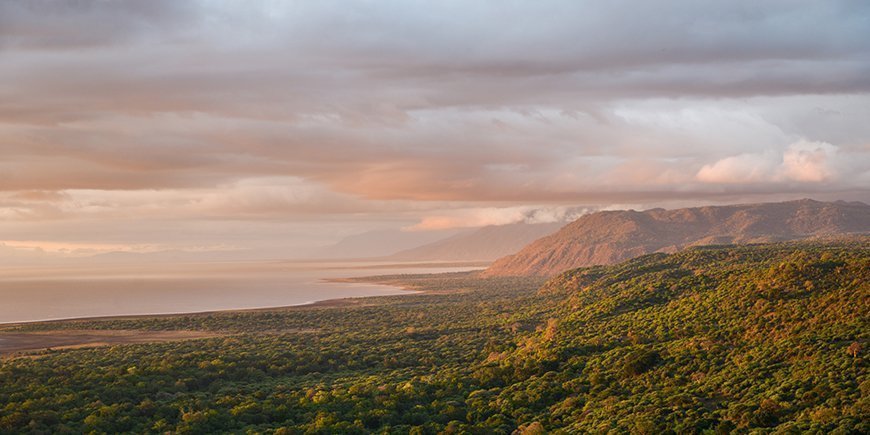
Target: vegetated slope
[(609, 237), (710, 338), (757, 339), (484, 244)]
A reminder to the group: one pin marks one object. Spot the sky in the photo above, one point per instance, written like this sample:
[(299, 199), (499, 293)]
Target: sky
[(279, 126)]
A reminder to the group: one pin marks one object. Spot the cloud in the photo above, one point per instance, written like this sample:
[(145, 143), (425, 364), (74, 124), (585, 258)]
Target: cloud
[(811, 162), (144, 118), (478, 217), (247, 199), (741, 169), (44, 25), (382, 62), (802, 161)]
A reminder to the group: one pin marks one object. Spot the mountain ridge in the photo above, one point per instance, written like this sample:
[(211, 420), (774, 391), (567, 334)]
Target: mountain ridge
[(608, 237)]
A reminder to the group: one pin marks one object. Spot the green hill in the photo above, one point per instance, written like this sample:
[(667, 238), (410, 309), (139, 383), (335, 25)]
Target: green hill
[(757, 338), (711, 338)]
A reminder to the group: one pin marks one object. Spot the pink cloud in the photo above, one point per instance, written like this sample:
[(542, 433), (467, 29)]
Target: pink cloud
[(802, 161)]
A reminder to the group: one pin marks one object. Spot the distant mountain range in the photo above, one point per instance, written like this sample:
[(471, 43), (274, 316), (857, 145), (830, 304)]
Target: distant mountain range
[(610, 237), (462, 244), (484, 244), (368, 245), (381, 243)]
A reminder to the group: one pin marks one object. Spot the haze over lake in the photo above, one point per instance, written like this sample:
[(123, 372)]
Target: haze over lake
[(30, 294)]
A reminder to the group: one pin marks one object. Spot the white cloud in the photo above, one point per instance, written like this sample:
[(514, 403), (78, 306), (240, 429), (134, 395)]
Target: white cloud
[(802, 161), (810, 161), (478, 217), (742, 168)]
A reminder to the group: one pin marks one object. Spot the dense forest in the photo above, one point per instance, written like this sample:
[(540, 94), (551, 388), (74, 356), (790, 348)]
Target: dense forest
[(747, 339)]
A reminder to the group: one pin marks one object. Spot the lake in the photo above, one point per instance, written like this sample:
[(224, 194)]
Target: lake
[(32, 294)]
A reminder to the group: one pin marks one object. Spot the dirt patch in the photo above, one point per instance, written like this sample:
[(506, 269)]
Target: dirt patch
[(19, 343)]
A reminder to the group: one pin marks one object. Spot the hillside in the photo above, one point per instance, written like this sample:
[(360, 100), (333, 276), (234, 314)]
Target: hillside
[(484, 244), (609, 237), (712, 338), (752, 339)]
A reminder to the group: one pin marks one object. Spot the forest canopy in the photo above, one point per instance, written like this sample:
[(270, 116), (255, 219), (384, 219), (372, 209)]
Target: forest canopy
[(709, 340)]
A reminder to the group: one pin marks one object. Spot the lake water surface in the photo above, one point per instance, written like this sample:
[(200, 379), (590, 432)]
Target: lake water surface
[(31, 294)]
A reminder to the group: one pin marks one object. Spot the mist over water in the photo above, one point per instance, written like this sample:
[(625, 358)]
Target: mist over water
[(31, 294)]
